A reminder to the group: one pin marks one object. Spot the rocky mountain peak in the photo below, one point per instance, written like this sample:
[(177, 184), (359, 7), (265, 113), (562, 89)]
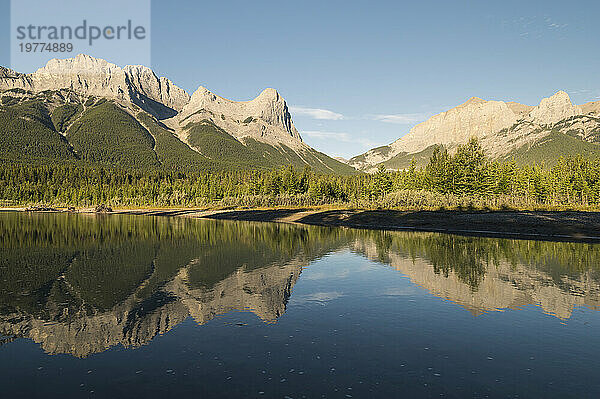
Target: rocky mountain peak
[(269, 94), (202, 93), (559, 96), (265, 118), (554, 109), (157, 95), (7, 73), (473, 101), (80, 64), (474, 118), (262, 125), (502, 127), (90, 76), (139, 70)]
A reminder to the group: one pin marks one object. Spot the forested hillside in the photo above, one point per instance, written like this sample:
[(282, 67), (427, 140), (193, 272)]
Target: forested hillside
[(58, 126), (465, 179)]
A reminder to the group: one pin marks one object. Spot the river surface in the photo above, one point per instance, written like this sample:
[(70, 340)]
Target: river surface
[(156, 307)]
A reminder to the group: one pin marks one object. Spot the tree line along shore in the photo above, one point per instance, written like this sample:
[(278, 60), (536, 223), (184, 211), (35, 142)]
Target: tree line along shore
[(462, 180)]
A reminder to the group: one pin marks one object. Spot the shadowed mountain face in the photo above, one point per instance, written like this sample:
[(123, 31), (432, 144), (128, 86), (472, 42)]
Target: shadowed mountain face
[(82, 284)]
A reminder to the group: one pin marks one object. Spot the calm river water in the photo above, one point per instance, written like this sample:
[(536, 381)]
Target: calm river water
[(132, 306)]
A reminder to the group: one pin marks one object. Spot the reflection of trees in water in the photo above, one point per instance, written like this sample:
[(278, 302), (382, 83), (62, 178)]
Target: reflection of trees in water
[(64, 268), (102, 260), (99, 261), (69, 268), (470, 257)]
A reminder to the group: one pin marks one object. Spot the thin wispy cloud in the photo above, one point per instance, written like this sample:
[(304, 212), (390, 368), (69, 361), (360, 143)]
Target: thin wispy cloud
[(584, 94), (400, 119), (550, 24), (325, 114), (316, 113), (535, 27), (340, 136), (317, 134), (580, 91)]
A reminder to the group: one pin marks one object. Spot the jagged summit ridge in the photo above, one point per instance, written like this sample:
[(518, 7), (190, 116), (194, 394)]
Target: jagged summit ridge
[(138, 84), (266, 117), (81, 64), (175, 131), (476, 117), (91, 76), (554, 109), (500, 126), (145, 83)]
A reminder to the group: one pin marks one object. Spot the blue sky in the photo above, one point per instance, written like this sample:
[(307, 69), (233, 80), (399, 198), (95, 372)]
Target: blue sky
[(359, 74)]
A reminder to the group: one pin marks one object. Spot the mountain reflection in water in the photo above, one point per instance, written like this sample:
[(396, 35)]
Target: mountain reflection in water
[(81, 284)]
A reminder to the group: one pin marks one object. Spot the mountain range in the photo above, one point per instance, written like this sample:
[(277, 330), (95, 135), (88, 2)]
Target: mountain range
[(87, 109), (506, 130)]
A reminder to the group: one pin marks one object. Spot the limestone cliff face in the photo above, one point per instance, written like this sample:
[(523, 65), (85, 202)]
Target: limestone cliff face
[(475, 118), (82, 74), (91, 76), (265, 118), (554, 109), (591, 108), (144, 84), (500, 126)]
